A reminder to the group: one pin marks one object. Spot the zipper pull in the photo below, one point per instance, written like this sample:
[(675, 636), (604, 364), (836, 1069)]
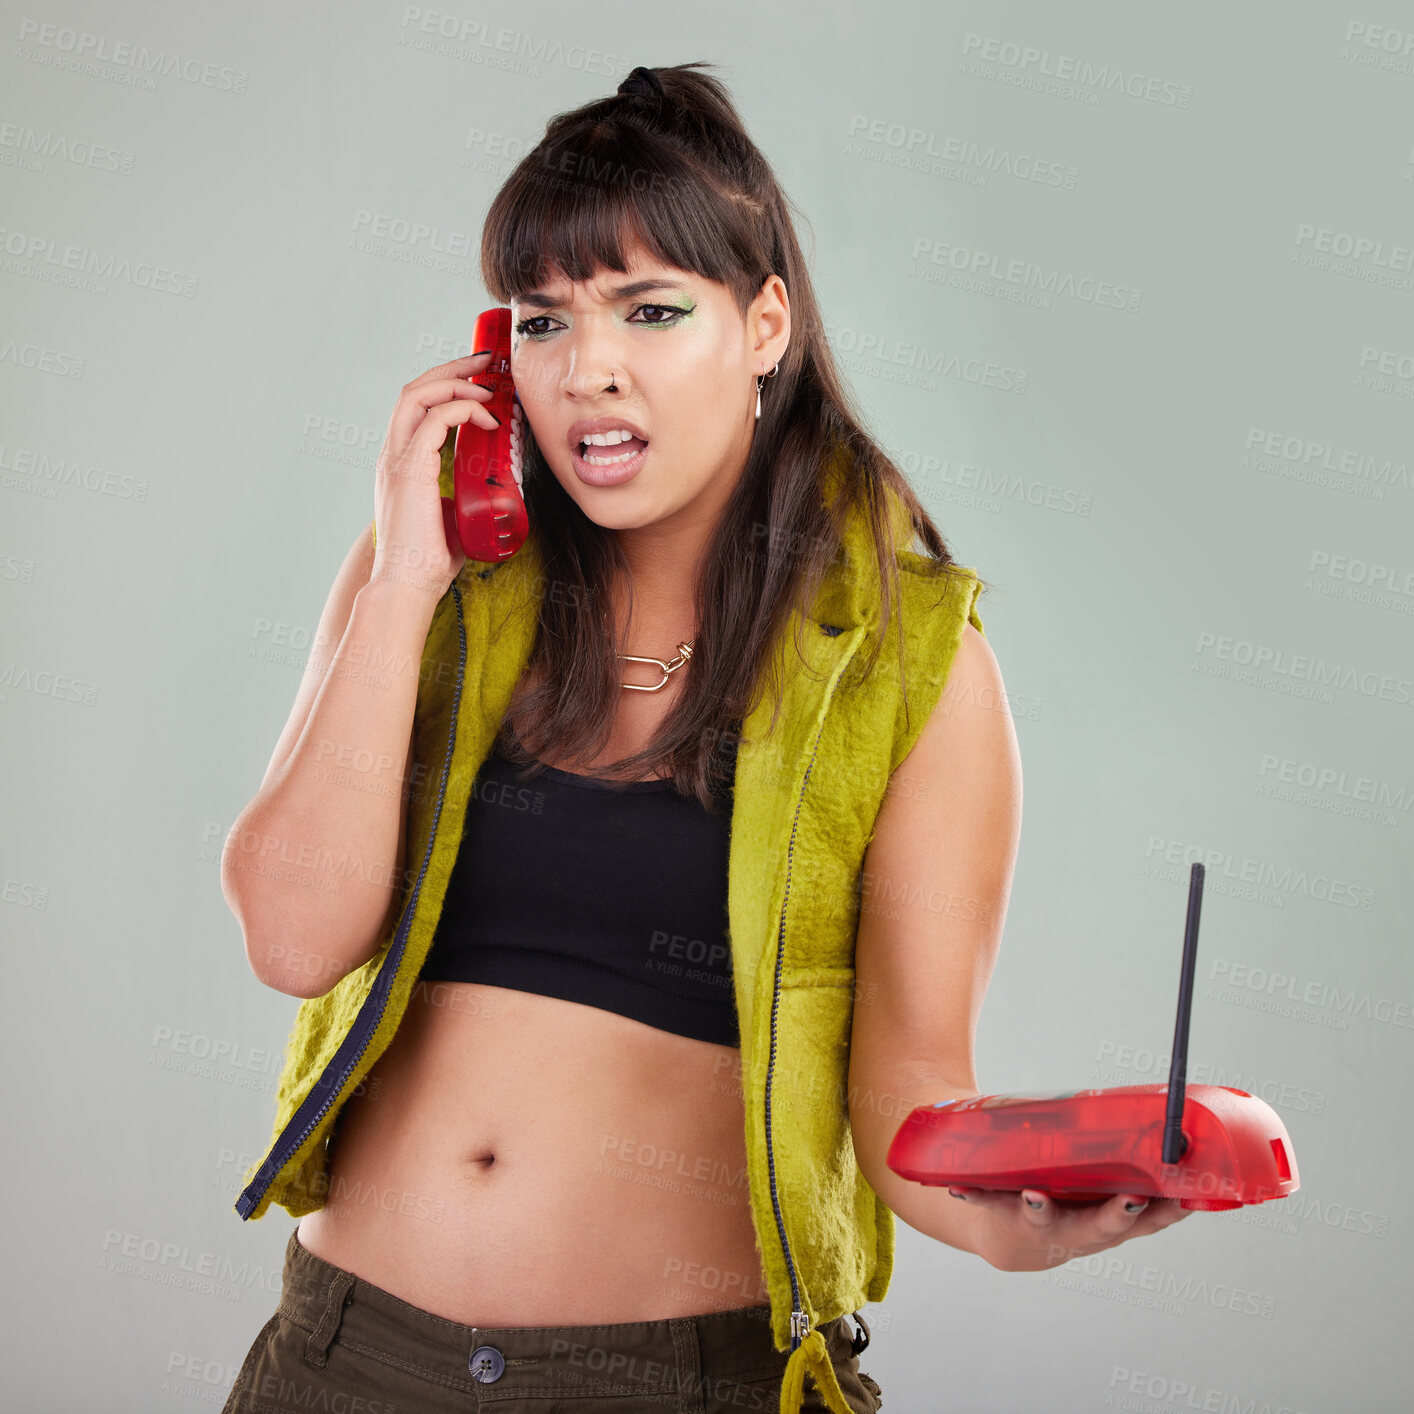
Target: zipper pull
[(799, 1327)]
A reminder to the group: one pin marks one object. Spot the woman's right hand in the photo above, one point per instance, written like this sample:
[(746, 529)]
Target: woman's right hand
[(411, 548)]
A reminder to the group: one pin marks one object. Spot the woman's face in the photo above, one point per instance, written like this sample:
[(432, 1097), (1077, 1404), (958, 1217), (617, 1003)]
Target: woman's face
[(663, 354)]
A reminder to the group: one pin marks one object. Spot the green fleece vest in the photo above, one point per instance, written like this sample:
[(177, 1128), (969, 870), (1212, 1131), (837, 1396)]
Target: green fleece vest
[(805, 803)]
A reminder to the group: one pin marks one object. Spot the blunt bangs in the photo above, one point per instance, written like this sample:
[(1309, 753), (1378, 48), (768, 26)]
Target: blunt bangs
[(583, 198)]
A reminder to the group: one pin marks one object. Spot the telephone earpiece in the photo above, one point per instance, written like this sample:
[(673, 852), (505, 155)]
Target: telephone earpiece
[(485, 515)]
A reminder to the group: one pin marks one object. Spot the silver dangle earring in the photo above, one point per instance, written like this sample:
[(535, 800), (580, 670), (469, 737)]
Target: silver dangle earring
[(760, 383)]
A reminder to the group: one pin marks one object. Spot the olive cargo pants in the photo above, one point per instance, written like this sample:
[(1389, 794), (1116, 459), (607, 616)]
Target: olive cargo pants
[(340, 1344)]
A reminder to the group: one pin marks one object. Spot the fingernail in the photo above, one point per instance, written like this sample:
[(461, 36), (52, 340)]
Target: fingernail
[(956, 1194), (1034, 1203), (1136, 1207), (479, 352)]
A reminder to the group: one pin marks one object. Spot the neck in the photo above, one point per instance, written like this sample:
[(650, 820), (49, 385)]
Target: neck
[(663, 577), (663, 559)]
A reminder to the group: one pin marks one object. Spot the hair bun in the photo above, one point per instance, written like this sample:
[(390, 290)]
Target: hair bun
[(641, 80)]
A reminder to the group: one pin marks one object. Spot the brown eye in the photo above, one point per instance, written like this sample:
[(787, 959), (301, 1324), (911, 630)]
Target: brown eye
[(673, 314)]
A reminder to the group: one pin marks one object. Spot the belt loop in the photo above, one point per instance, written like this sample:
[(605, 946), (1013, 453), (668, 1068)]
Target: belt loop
[(316, 1348), (857, 1345), (688, 1349)]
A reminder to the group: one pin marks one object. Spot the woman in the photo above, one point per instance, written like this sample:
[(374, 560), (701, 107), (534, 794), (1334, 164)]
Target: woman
[(609, 1016)]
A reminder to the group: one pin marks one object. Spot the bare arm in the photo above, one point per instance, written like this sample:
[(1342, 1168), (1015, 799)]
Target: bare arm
[(946, 840), (313, 866), (948, 843)]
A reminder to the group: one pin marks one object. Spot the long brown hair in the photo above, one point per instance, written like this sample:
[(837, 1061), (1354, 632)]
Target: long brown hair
[(677, 174)]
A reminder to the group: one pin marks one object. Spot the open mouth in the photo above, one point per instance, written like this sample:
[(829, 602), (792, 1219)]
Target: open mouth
[(618, 451), (609, 458)]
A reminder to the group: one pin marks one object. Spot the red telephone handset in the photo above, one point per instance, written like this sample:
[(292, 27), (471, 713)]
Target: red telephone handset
[(485, 516)]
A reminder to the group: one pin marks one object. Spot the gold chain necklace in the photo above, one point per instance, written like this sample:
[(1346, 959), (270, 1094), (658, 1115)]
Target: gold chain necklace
[(683, 654), (664, 666)]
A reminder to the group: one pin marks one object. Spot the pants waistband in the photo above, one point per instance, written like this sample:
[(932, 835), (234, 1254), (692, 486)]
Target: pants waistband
[(664, 1356)]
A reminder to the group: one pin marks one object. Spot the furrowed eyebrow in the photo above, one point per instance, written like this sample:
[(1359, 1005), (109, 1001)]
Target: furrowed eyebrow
[(537, 299)]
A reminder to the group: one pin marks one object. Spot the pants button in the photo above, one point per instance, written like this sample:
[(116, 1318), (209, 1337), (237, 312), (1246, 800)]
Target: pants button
[(486, 1363)]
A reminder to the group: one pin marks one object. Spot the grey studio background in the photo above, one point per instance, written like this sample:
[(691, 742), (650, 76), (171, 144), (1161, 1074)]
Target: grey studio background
[(1128, 290)]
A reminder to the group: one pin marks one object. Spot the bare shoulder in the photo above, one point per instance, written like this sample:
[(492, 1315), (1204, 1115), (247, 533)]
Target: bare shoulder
[(970, 728), (937, 878), (975, 677)]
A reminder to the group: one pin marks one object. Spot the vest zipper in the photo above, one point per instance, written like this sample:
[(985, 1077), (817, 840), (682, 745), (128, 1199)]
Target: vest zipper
[(799, 1319), (331, 1082)]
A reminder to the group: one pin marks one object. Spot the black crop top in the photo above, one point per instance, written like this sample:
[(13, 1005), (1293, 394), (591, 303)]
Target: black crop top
[(609, 893)]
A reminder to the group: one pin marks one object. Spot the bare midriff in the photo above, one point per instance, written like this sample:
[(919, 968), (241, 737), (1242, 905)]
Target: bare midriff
[(521, 1160)]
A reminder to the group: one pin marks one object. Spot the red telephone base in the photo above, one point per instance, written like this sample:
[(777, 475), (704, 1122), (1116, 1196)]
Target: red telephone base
[(1088, 1145)]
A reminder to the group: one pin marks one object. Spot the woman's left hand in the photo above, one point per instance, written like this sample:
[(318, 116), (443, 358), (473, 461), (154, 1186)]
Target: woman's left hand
[(1030, 1232)]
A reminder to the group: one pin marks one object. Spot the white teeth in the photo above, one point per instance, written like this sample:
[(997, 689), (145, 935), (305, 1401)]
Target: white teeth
[(610, 461), (611, 438)]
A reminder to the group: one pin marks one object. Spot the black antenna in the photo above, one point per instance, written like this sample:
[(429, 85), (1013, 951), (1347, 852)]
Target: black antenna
[(1175, 1140)]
